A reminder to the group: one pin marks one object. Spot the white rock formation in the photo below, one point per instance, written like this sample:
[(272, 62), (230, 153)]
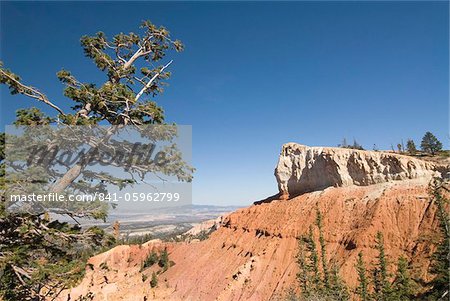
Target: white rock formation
[(303, 169)]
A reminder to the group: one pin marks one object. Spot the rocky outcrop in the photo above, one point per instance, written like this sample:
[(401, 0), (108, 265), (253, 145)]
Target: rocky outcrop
[(252, 256), (303, 169)]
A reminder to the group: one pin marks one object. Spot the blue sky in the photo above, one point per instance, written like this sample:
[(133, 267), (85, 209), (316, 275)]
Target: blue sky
[(255, 75)]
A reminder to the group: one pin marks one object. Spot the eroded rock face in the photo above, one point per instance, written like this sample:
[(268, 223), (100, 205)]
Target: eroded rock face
[(303, 169), (252, 256)]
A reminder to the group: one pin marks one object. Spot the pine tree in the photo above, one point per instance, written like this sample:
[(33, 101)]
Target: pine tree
[(402, 285), (362, 289), (430, 144), (356, 145), (440, 265), (39, 254), (304, 274), (411, 147), (314, 258), (344, 143), (164, 260), (326, 280), (151, 259), (154, 280), (377, 285), (313, 286), (338, 289), (308, 263), (382, 287)]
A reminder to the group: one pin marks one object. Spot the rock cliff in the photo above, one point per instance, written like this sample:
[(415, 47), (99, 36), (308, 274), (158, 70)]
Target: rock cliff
[(303, 169), (252, 255)]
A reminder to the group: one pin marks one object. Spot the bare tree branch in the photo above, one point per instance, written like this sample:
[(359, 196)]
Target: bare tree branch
[(135, 56), (151, 81), (31, 92)]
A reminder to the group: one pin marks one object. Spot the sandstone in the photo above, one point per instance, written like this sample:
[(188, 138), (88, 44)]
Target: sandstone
[(252, 254), (303, 169)]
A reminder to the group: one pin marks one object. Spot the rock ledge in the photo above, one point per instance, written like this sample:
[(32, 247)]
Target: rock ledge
[(303, 169)]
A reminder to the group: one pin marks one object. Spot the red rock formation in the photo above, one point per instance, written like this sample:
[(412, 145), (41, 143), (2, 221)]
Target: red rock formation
[(252, 255)]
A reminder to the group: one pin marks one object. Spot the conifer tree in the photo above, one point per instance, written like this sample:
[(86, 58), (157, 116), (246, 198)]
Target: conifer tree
[(303, 276), (326, 280), (362, 289), (430, 143), (338, 289), (311, 280), (440, 265), (314, 258), (40, 254), (402, 285), (411, 147), (164, 260), (382, 286), (151, 259), (377, 286), (154, 280), (308, 263)]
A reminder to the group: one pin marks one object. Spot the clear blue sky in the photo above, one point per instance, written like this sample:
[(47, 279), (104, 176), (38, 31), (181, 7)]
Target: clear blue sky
[(257, 75)]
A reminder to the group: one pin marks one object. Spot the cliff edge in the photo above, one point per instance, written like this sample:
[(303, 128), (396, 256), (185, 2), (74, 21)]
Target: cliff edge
[(253, 254), (304, 169)]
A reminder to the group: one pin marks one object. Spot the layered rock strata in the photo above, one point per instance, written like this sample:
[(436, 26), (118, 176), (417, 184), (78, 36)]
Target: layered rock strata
[(303, 169)]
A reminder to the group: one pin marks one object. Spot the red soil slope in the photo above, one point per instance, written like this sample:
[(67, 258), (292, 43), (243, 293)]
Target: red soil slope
[(252, 255)]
